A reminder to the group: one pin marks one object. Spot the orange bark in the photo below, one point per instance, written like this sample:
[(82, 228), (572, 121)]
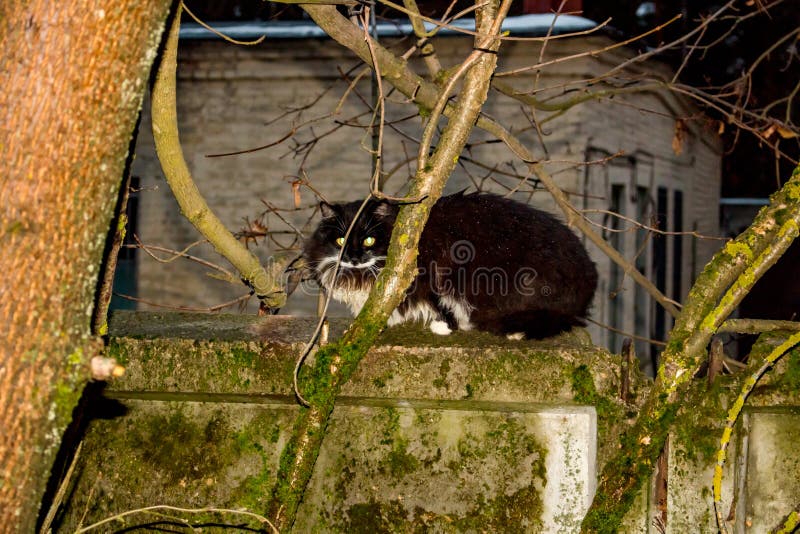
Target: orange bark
[(72, 76)]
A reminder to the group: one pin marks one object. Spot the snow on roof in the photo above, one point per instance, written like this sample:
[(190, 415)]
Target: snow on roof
[(529, 25)]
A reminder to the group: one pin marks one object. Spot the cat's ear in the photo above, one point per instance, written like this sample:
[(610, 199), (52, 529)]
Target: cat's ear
[(385, 210), (327, 210)]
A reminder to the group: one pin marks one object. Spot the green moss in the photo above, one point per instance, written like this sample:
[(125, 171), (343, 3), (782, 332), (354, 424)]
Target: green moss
[(282, 491), (65, 398), (608, 511), (414, 334), (519, 512), (181, 447), (470, 391), (508, 510), (699, 426), (472, 447), (319, 385), (444, 369), (179, 453), (609, 412), (735, 248), (276, 434), (399, 461), (789, 379), (381, 380), (68, 389), (243, 357), (441, 77), (254, 491), (374, 517)]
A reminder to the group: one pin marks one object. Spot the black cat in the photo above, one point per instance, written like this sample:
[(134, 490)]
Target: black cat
[(485, 262)]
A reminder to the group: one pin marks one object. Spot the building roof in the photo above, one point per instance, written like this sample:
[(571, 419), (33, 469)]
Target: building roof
[(520, 25)]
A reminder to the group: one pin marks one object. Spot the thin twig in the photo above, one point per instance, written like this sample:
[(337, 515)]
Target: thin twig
[(175, 254), (592, 53), (479, 50), (627, 334), (379, 107), (219, 33), (218, 307), (733, 416), (757, 326), (642, 226), (62, 490), (148, 509), (323, 312), (100, 319), (440, 24)]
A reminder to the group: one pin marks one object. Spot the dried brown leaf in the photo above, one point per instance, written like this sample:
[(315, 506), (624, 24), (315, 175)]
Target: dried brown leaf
[(678, 137)]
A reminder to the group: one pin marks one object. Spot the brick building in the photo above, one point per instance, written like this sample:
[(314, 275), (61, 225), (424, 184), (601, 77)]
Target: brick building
[(233, 98)]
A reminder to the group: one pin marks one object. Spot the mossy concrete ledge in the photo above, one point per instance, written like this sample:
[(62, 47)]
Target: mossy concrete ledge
[(466, 433)]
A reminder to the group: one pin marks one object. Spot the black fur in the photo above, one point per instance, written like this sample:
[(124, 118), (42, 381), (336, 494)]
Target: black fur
[(484, 261)]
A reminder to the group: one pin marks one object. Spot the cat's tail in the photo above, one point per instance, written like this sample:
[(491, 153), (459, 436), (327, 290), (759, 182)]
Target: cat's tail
[(538, 324)]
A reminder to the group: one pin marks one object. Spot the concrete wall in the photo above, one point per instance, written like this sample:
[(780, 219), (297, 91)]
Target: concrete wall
[(480, 434), (232, 98)]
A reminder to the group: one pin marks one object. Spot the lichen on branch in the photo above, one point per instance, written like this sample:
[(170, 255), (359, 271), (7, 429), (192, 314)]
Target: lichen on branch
[(336, 362), (717, 291)]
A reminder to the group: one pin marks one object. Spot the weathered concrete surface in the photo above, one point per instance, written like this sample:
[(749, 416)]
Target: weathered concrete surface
[(761, 477), (235, 355), (468, 433), (463, 434), (772, 468)]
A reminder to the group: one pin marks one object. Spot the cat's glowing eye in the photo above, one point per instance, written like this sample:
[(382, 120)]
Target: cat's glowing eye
[(340, 241), (368, 242)]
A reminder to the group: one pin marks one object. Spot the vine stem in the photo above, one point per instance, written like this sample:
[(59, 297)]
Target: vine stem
[(790, 524), (733, 416), (159, 507), (725, 280)]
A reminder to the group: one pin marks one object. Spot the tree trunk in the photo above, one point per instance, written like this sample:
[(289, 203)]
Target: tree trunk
[(73, 75)]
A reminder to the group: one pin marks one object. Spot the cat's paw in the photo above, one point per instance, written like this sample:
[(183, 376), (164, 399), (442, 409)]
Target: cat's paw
[(440, 328)]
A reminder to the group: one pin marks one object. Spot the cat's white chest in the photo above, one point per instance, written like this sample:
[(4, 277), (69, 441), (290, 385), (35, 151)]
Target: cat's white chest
[(354, 299), (423, 312)]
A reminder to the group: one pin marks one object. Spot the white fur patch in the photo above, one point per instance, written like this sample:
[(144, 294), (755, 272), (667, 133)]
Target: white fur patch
[(326, 268), (516, 336), (366, 265), (354, 299), (440, 328), (422, 312), (460, 309)]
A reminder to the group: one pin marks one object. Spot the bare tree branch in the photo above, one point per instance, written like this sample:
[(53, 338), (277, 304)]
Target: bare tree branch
[(426, 94), (738, 265), (336, 362), (193, 206)]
